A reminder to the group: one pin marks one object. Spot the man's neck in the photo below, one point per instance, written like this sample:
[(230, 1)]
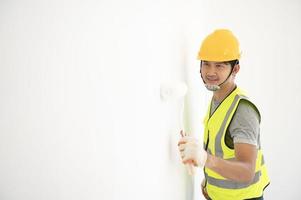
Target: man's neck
[(223, 92)]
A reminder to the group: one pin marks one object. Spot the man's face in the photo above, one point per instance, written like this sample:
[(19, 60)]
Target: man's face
[(215, 73)]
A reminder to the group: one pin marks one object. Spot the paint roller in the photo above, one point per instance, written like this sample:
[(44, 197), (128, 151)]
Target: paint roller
[(172, 92)]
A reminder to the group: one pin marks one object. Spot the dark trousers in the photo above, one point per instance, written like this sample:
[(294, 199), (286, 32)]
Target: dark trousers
[(257, 198)]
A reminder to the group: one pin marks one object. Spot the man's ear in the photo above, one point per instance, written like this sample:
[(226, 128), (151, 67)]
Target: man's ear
[(236, 69)]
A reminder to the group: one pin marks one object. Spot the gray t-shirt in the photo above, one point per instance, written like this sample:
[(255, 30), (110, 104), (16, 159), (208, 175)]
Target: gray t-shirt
[(244, 127)]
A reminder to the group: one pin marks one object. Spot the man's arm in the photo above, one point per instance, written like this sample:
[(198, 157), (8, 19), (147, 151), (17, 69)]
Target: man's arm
[(241, 169)]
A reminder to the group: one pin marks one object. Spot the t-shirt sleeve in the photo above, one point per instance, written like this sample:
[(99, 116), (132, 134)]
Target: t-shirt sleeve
[(245, 127)]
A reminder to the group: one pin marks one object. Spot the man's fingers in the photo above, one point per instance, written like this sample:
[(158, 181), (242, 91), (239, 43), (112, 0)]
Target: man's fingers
[(182, 154), (181, 142), (182, 133), (182, 146), (186, 139), (188, 161)]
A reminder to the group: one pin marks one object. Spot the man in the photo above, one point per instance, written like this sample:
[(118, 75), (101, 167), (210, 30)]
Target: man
[(231, 155)]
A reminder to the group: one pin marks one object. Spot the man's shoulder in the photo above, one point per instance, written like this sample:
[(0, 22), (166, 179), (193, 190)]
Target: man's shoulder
[(247, 108)]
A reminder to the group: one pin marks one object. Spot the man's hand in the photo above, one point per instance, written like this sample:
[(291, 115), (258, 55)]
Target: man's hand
[(192, 151)]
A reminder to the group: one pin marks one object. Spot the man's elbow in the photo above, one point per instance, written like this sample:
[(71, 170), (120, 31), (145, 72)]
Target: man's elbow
[(248, 177)]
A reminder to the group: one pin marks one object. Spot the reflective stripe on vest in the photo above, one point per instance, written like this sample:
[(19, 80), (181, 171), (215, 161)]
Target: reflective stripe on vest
[(218, 148), (228, 184)]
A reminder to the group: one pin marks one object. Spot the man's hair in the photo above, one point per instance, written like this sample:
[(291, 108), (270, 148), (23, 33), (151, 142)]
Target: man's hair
[(233, 62)]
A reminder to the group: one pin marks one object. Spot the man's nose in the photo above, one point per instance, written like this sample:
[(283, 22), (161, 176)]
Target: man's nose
[(211, 71)]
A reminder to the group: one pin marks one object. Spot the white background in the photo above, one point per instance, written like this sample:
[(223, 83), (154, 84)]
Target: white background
[(80, 109)]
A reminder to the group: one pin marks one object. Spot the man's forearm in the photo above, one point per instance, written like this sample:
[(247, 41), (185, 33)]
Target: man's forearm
[(231, 169)]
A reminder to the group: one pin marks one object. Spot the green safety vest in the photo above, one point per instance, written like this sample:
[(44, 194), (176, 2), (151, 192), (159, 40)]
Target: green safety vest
[(218, 187)]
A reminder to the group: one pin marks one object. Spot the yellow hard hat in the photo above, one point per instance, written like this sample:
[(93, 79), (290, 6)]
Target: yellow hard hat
[(219, 46)]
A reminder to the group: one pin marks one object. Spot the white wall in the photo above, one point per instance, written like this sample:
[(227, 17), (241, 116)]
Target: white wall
[(81, 116)]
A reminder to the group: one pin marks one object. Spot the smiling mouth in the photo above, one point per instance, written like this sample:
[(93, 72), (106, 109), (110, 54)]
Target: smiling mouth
[(210, 81)]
